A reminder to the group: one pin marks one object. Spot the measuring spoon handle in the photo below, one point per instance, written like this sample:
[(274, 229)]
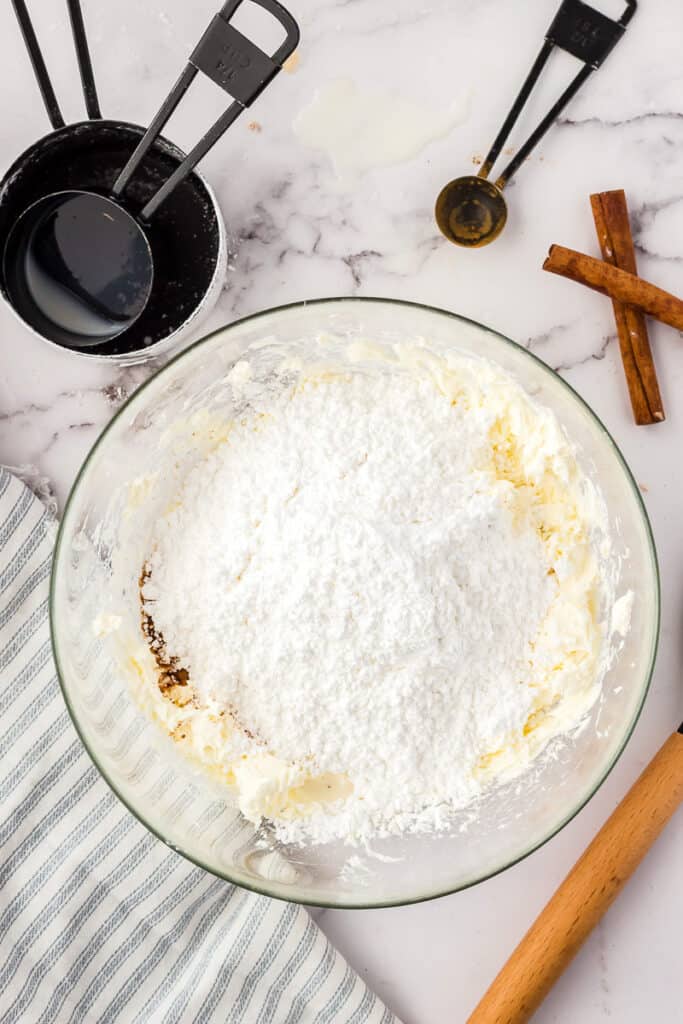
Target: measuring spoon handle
[(585, 33)]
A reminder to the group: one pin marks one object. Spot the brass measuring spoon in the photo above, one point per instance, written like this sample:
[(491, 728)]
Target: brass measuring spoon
[(471, 210)]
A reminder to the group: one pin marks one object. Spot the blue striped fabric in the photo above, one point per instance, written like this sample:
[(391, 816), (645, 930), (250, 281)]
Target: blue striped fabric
[(98, 920)]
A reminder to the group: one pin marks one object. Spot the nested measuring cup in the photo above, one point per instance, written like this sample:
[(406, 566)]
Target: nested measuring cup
[(69, 276)]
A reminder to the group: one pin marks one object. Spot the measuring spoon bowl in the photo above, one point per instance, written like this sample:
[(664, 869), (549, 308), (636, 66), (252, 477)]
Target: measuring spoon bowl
[(471, 211)]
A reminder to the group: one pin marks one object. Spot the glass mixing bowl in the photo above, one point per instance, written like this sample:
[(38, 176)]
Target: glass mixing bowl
[(192, 813)]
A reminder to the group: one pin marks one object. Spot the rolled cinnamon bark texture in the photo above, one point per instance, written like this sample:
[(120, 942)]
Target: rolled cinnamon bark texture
[(613, 227), (618, 284)]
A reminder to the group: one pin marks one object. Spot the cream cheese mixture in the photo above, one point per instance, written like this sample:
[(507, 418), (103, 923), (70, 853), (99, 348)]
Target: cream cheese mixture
[(377, 595)]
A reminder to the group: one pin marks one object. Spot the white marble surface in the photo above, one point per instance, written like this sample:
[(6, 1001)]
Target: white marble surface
[(296, 233)]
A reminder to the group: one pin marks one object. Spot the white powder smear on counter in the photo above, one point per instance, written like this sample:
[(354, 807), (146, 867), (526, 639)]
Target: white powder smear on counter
[(391, 599)]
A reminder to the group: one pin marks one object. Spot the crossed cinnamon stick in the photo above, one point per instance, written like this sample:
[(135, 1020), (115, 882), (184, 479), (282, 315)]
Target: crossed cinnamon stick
[(616, 275)]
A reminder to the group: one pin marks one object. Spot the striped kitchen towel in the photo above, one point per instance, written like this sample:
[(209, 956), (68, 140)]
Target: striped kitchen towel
[(99, 921)]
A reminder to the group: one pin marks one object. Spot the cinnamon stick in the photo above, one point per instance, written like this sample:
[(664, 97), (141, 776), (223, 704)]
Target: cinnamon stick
[(610, 213), (618, 284)]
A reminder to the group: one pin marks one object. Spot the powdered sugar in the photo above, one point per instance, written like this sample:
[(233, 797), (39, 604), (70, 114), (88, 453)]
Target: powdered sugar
[(356, 577)]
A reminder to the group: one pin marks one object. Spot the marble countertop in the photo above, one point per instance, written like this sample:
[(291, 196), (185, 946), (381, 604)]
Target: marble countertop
[(298, 231)]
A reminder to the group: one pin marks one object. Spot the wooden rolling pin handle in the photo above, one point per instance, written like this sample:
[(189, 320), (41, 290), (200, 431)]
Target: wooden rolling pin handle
[(588, 890)]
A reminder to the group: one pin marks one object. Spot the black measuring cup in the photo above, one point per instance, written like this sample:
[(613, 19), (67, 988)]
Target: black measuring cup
[(130, 242), (471, 210)]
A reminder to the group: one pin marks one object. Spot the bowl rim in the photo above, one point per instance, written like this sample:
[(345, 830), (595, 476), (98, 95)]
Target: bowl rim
[(656, 611)]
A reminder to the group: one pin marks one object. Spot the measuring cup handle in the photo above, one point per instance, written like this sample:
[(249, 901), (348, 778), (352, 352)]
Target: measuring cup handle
[(92, 104), (234, 63), (38, 64), (280, 14), (631, 7), (40, 68)]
